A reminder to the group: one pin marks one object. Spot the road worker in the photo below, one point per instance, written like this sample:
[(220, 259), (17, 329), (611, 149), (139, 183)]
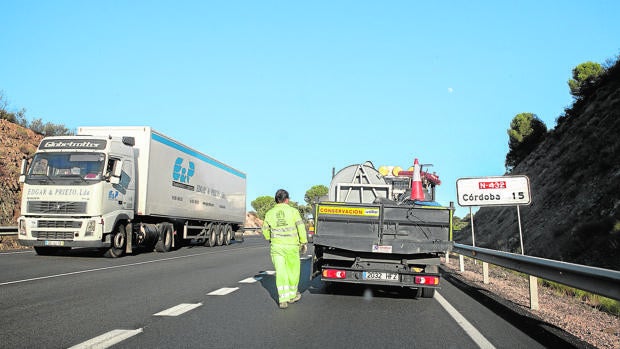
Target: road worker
[(286, 231)]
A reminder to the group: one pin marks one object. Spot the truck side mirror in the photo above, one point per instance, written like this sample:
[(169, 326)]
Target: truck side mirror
[(22, 171), (117, 170)]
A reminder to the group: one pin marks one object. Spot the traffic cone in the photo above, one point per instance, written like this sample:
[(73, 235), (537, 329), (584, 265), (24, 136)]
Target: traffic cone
[(417, 192)]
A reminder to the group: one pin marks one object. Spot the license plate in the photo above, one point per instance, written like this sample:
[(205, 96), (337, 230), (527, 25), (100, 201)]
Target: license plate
[(373, 275), (54, 243)]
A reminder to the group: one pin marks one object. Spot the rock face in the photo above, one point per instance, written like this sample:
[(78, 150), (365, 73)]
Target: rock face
[(575, 184), (16, 142)]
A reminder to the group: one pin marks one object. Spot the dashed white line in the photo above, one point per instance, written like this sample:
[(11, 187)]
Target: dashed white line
[(223, 291), (471, 331), (178, 310), (107, 339), (251, 280)]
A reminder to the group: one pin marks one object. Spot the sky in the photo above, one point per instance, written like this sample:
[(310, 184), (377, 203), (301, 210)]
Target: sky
[(287, 91)]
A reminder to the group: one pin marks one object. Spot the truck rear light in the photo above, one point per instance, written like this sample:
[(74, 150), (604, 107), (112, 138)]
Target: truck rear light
[(334, 274), (427, 280)]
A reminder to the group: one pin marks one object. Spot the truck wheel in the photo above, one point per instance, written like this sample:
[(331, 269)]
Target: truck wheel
[(227, 234), (119, 239), (428, 292), (164, 244), (220, 235), (211, 235)]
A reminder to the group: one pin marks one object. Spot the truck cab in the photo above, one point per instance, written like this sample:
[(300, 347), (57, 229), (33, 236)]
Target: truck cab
[(75, 189)]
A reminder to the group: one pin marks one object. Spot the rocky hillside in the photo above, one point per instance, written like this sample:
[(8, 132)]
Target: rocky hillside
[(575, 183), (15, 143)]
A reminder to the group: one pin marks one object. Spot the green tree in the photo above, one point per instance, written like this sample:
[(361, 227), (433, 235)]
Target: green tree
[(262, 204), (315, 193), (525, 133), (584, 75)]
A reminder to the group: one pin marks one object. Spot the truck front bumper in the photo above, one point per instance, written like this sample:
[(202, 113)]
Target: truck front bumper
[(64, 243)]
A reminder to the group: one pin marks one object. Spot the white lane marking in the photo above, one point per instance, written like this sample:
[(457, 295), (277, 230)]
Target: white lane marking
[(223, 291), (251, 280), (471, 331), (107, 340), (16, 252), (178, 309), (117, 266), (268, 272)]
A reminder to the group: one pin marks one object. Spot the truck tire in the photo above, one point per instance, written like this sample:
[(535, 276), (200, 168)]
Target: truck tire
[(211, 235), (119, 239), (227, 234), (220, 235), (429, 292), (164, 244)]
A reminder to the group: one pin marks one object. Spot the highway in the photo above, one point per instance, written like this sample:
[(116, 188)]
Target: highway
[(224, 297)]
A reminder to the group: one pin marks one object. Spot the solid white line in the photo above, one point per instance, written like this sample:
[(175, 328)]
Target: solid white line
[(107, 340), (178, 310), (223, 291), (16, 252), (251, 280), (116, 266), (471, 331)]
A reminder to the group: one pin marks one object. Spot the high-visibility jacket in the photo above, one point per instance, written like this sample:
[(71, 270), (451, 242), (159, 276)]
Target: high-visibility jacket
[(283, 226)]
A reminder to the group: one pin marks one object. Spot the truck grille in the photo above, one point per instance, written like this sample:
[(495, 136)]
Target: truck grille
[(52, 235), (60, 207), (59, 224)]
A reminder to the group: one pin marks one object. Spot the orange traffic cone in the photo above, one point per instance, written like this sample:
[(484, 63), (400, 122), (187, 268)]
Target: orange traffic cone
[(417, 192)]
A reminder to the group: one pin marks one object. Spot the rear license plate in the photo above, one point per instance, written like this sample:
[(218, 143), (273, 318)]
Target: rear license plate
[(54, 243), (373, 275)]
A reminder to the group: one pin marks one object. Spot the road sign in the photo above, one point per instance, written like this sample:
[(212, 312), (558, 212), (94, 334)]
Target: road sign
[(493, 191)]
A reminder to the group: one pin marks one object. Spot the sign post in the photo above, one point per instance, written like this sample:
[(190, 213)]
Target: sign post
[(498, 191)]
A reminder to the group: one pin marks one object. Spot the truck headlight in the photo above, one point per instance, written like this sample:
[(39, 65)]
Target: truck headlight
[(21, 227), (90, 228)]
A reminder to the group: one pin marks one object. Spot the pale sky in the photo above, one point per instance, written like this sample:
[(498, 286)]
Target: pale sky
[(285, 91)]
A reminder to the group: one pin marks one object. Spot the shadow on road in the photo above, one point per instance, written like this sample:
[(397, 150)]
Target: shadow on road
[(316, 286)]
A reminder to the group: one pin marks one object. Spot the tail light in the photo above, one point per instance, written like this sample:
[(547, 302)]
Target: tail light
[(334, 274), (427, 280)]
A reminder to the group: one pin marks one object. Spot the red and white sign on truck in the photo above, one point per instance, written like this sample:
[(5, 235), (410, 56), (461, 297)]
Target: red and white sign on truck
[(494, 191)]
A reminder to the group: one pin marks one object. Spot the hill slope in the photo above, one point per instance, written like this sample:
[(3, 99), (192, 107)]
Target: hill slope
[(16, 142), (575, 183)]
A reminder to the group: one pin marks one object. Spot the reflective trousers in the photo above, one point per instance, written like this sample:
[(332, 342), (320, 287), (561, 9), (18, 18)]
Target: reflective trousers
[(285, 260)]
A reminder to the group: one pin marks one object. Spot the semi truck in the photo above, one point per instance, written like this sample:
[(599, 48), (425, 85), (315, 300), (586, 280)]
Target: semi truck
[(117, 189), (382, 227)]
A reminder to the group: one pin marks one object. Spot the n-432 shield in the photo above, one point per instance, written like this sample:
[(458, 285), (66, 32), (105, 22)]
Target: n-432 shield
[(494, 191)]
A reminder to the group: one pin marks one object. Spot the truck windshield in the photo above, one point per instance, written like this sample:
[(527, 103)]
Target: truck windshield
[(87, 166)]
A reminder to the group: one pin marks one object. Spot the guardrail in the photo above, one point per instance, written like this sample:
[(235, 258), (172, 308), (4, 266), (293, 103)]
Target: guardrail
[(601, 281), (7, 231)]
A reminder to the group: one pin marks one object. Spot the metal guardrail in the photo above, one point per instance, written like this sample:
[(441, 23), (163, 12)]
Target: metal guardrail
[(8, 231), (600, 281)]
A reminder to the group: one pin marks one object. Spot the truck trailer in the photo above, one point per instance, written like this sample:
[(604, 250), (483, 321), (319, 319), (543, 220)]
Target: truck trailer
[(121, 188), (382, 227)]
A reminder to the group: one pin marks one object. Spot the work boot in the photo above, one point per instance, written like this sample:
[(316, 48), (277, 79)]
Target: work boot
[(296, 298), (283, 305)]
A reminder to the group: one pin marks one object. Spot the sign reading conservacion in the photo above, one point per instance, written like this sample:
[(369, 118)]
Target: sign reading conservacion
[(349, 211), (494, 191)]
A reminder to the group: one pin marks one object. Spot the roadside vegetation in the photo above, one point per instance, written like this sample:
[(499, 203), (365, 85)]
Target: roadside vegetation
[(37, 125)]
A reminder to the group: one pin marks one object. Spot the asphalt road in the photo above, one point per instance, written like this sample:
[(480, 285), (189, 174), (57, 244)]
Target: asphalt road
[(224, 297)]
